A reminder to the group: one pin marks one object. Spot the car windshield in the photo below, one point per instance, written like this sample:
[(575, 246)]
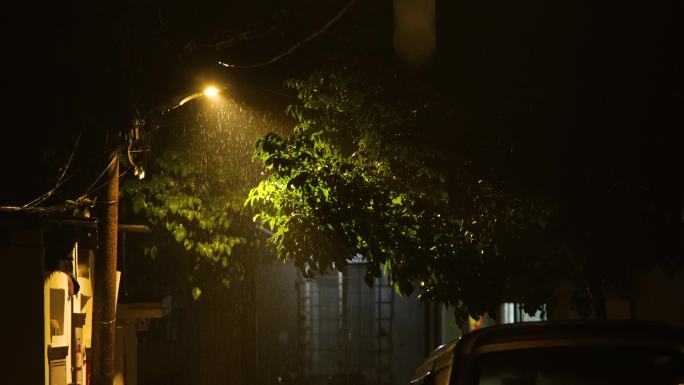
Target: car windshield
[(585, 366)]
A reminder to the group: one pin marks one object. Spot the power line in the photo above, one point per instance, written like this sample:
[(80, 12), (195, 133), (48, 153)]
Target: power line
[(92, 185), (98, 188), (60, 179), (296, 46)]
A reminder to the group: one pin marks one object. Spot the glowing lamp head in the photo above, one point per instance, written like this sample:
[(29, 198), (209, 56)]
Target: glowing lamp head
[(211, 92)]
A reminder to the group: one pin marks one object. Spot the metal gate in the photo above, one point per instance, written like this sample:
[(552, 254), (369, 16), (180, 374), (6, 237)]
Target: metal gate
[(345, 328)]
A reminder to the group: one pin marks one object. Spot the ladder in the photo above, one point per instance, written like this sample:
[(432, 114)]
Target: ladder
[(384, 318)]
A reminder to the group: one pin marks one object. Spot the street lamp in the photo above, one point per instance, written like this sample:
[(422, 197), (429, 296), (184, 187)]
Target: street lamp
[(104, 313), (211, 92)]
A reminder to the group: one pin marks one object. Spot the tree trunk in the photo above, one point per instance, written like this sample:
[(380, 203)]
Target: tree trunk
[(104, 312)]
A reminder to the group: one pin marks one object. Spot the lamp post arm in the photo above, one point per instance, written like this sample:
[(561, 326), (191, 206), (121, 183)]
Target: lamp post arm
[(187, 99), (163, 109)]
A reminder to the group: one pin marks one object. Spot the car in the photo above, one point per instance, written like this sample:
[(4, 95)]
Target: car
[(560, 353)]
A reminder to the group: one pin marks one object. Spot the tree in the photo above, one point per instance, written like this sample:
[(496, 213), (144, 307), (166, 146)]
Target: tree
[(97, 64), (358, 177), (386, 170), (195, 183), (198, 171)]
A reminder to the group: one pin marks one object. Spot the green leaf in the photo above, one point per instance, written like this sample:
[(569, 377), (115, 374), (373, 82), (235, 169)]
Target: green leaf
[(179, 233), (196, 292)]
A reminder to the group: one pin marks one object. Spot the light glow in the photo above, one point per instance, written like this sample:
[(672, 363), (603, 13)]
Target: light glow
[(211, 92)]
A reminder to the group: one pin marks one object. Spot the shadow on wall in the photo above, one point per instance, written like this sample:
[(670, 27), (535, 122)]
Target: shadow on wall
[(660, 298)]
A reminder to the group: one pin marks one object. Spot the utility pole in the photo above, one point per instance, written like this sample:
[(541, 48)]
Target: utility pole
[(104, 312), (118, 48)]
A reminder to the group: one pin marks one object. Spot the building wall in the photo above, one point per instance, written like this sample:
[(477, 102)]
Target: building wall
[(409, 337), (363, 349), (350, 330), (22, 254), (61, 309), (276, 320), (84, 272), (41, 298), (661, 296), (57, 307)]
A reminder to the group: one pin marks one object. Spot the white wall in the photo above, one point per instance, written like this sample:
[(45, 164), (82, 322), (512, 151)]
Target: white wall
[(57, 281)]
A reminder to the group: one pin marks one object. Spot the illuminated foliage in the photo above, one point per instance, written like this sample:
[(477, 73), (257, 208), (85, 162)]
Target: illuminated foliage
[(193, 194), (357, 177)]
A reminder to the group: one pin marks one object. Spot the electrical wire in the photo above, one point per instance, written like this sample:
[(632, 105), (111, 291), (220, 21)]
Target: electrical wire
[(54, 208), (60, 179), (69, 205), (98, 188), (297, 45), (92, 185), (44, 210)]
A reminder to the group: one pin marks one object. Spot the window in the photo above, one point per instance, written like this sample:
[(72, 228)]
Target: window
[(56, 312)]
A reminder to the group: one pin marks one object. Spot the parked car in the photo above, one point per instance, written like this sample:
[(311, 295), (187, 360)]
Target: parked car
[(560, 353)]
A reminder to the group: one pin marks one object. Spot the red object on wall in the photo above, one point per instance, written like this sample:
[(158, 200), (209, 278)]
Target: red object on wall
[(87, 367), (79, 364), (475, 324)]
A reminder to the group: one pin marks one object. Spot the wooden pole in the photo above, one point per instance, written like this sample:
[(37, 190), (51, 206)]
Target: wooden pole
[(104, 312)]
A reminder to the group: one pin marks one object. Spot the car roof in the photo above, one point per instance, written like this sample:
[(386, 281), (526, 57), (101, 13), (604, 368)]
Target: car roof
[(439, 357), (574, 333), (625, 333)]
